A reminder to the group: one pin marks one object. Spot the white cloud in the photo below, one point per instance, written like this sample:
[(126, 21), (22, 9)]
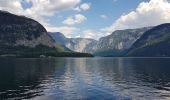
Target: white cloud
[(50, 7), (39, 8), (103, 16), (149, 13), (83, 7), (93, 34), (77, 19), (67, 31), (78, 36), (13, 6)]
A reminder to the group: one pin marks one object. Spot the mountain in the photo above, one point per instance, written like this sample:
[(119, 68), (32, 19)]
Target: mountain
[(60, 39), (19, 30), (147, 41), (74, 44), (24, 37), (19, 34), (118, 42), (153, 43), (81, 44)]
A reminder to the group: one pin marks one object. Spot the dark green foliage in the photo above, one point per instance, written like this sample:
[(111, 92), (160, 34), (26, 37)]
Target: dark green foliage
[(55, 54), (22, 51)]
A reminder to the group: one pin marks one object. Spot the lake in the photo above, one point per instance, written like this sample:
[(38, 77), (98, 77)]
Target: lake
[(85, 78)]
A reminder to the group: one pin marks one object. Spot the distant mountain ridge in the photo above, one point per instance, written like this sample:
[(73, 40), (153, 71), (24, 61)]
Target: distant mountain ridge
[(115, 44), (118, 42), (20, 35), (153, 43), (81, 44), (141, 42), (74, 44)]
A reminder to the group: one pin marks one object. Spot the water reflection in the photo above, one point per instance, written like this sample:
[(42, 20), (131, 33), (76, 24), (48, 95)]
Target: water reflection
[(85, 78), (23, 78)]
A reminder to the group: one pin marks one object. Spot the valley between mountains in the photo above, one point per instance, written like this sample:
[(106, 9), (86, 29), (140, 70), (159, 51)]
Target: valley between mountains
[(24, 37), (140, 42)]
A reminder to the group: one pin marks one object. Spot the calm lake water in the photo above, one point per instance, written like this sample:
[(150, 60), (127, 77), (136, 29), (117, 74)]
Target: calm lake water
[(85, 79)]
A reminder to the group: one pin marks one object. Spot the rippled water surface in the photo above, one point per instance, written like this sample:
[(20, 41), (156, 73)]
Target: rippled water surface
[(85, 79)]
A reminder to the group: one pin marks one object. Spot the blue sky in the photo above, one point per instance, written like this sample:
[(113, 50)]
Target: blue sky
[(110, 8), (91, 18)]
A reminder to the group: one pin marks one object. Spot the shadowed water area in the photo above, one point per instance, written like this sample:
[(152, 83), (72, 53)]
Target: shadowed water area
[(85, 79)]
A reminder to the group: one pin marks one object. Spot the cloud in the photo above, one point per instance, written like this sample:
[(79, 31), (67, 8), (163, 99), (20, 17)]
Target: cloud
[(149, 13), (77, 19), (67, 31), (103, 16), (83, 7), (93, 34), (39, 8), (78, 36), (50, 7), (13, 6)]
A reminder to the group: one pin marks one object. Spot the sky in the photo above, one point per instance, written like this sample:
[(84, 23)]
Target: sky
[(91, 18)]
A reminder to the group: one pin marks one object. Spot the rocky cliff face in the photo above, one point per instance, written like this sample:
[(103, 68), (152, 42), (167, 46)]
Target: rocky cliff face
[(154, 42), (120, 39), (75, 44), (118, 42), (148, 41), (21, 31), (112, 45), (25, 37), (81, 44), (59, 38)]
